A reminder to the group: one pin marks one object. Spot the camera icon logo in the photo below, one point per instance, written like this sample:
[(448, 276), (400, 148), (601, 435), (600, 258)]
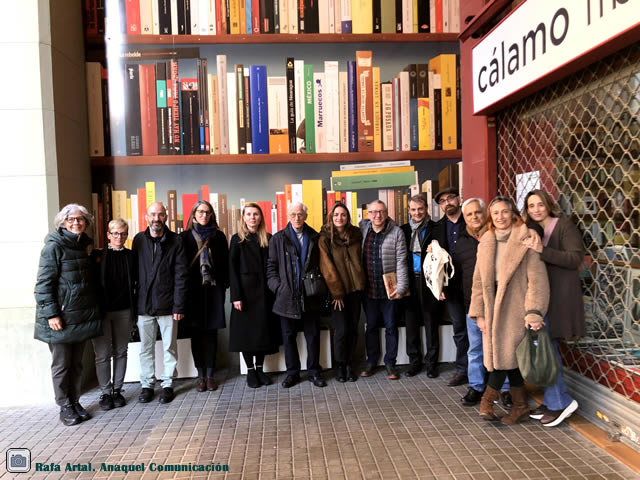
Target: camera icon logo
[(18, 460)]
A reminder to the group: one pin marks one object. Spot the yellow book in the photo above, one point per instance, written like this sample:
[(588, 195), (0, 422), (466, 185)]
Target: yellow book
[(119, 204), (354, 208), (377, 119), (371, 171), (234, 16), (445, 66), (243, 17), (362, 16), (424, 141), (150, 188), (312, 198)]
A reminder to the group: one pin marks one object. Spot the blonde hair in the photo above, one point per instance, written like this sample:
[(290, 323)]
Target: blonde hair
[(118, 223), (263, 237)]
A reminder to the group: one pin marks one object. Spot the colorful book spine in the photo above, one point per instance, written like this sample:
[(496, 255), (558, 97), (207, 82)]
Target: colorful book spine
[(291, 103), (309, 110), (332, 107), (353, 106), (277, 111), (377, 116), (133, 127), (360, 182), (259, 114), (319, 111)]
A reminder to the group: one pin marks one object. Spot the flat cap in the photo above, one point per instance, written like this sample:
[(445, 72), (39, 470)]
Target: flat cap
[(446, 191)]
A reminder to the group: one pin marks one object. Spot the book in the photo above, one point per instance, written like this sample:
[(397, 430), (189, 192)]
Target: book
[(266, 16), (163, 131), (445, 66), (352, 104), (391, 284), (377, 113), (94, 108), (405, 112), (413, 105), (240, 109), (345, 16), (386, 106), (364, 99), (388, 16), (424, 21), (309, 109), (319, 113), (232, 108), (190, 116), (331, 106), (223, 108), (362, 16), (291, 103), (298, 74), (372, 165), (372, 171), (277, 114), (343, 93), (259, 114), (133, 126), (312, 198), (359, 182)]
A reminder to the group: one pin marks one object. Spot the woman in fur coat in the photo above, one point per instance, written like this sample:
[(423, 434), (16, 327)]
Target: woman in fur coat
[(510, 293)]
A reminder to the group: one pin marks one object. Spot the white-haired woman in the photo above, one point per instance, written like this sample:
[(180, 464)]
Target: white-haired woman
[(67, 313)]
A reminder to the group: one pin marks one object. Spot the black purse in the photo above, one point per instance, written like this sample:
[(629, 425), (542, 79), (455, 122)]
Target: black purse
[(314, 285)]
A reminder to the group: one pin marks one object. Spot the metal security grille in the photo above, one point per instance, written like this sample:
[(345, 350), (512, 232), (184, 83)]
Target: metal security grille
[(579, 140)]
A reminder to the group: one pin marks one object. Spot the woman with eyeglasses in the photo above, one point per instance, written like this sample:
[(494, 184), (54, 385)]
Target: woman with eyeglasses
[(561, 248), (114, 270), (67, 312), (254, 329), (207, 252), (510, 293)]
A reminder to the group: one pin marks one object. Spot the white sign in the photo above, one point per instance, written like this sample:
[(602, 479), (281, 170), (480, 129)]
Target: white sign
[(525, 182), (540, 37)]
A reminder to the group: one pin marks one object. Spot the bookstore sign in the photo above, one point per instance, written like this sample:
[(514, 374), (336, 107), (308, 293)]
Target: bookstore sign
[(540, 37)]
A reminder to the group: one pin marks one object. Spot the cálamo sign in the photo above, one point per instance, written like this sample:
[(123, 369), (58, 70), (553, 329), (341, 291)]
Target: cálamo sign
[(541, 36)]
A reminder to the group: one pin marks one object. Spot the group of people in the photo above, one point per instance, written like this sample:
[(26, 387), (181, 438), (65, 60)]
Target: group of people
[(512, 272)]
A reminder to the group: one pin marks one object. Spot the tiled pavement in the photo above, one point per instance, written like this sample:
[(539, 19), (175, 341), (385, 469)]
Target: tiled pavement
[(373, 428)]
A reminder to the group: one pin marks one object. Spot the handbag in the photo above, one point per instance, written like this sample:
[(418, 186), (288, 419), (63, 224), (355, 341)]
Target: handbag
[(314, 285), (537, 359)]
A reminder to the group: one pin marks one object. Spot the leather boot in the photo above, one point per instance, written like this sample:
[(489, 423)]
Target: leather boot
[(520, 409), (486, 403)]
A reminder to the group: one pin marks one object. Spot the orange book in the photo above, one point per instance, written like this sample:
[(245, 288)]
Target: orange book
[(265, 206), (364, 102), (204, 193), (281, 207)]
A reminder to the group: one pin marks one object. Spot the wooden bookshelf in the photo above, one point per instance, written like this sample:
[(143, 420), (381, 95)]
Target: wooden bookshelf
[(142, 160), (100, 40)]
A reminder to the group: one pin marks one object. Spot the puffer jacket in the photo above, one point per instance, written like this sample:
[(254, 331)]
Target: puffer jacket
[(393, 252), (66, 288), (341, 262)]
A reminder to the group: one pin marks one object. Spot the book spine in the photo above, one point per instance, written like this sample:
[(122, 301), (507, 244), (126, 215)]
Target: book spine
[(204, 94), (181, 18), (223, 109), (132, 9), (407, 16), (337, 12), (283, 12), (323, 16), (277, 108), (300, 8), (362, 16), (214, 114), (397, 140), (94, 108), (164, 17), (234, 16), (319, 111), (344, 111), (388, 22), (424, 22), (437, 114), (175, 109), (353, 110), (399, 11), (331, 15), (298, 73), (161, 109), (332, 106), (247, 109), (190, 113), (405, 112), (240, 109), (377, 114), (311, 16), (133, 126), (309, 110), (291, 104), (106, 117), (345, 16), (211, 17), (364, 74), (276, 16), (377, 16), (266, 16), (232, 105), (146, 17), (201, 99), (259, 116), (386, 91), (255, 16), (413, 106)]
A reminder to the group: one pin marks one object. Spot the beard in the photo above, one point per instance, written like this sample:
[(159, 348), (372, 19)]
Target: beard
[(156, 227)]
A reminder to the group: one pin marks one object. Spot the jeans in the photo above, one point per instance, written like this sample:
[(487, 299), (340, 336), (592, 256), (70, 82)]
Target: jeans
[(556, 396), (476, 370), (66, 371), (458, 320), (114, 343), (311, 326), (386, 310), (148, 326)]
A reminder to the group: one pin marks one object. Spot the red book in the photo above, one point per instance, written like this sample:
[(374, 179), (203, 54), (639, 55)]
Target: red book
[(142, 209), (204, 193), (148, 117), (343, 197), (439, 18), (175, 107), (90, 17), (188, 201), (281, 207), (255, 16), (132, 11), (266, 212), (331, 200)]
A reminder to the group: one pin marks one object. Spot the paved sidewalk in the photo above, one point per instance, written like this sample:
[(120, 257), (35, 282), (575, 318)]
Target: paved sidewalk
[(373, 428)]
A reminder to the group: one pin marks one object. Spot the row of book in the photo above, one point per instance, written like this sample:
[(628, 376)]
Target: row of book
[(219, 17), (111, 203), (246, 111)]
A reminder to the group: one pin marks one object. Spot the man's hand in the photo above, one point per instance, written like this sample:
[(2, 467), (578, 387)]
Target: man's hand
[(55, 323), (178, 316), (442, 296), (394, 295), (238, 305)]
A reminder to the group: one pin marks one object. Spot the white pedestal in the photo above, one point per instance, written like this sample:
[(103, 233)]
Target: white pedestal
[(276, 362), (447, 345), (185, 367)]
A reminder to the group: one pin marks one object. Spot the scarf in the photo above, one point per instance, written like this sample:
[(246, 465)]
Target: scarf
[(201, 235), (302, 251), (416, 227)]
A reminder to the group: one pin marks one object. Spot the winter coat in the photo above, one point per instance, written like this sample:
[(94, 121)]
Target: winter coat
[(453, 291), (291, 300), (393, 252), (341, 262), (66, 288), (256, 328), (432, 232), (205, 303), (162, 285), (464, 263), (99, 262), (563, 256), (522, 295)]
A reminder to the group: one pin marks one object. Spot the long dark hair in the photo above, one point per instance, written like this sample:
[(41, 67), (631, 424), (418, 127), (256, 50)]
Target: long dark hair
[(328, 223), (213, 221), (550, 204)]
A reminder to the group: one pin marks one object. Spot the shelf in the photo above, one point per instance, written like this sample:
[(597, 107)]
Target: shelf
[(273, 158), (99, 40)]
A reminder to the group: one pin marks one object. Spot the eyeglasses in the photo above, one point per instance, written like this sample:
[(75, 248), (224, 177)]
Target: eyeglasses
[(450, 198), (119, 234), (203, 212), (73, 220), (373, 213), (297, 215)]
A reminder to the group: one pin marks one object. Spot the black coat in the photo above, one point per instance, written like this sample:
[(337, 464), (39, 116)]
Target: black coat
[(465, 263), (256, 328), (66, 288), (205, 303), (281, 273), (453, 291), (100, 261), (162, 285)]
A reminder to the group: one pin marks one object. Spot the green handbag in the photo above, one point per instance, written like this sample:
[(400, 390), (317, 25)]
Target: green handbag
[(537, 359)]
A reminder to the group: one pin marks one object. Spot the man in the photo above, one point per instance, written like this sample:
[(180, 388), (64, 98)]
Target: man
[(162, 279), (475, 215), (421, 307), (383, 252), (293, 258), (453, 223)]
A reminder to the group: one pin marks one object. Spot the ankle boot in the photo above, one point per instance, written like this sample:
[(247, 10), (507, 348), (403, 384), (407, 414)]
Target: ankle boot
[(252, 379), (263, 378), (486, 403), (520, 409)]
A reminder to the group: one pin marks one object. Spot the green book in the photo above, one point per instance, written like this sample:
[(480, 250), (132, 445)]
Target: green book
[(380, 180), (388, 16), (309, 114)]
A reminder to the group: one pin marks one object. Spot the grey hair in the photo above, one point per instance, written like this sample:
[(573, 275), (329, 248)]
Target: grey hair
[(376, 201), (480, 202), (295, 205), (68, 210)]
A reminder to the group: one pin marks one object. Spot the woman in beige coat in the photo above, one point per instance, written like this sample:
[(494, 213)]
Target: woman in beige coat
[(510, 293)]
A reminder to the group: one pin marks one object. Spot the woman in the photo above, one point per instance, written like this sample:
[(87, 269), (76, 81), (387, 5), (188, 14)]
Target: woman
[(562, 250), (341, 267), (114, 271), (510, 292), (67, 313), (208, 256), (255, 330)]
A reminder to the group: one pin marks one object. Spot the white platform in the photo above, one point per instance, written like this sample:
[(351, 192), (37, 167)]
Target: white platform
[(276, 362), (185, 368), (447, 345)]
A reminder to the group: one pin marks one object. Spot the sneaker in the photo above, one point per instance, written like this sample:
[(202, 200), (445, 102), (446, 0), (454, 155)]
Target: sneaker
[(106, 401), (166, 396), (505, 400), (368, 370), (556, 417), (69, 416), (146, 395), (538, 412), (472, 397), (118, 399), (392, 372), (82, 413)]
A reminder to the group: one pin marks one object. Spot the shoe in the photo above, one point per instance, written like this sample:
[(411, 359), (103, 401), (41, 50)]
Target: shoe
[(69, 416), (118, 399), (472, 397), (351, 375), (520, 409), (556, 417), (368, 370), (212, 386), (457, 380), (106, 401), (341, 375), (263, 378), (252, 379), (538, 412), (290, 381), (506, 400), (413, 370), (82, 413), (166, 396), (146, 395), (486, 404), (392, 372), (201, 384), (432, 372), (317, 380)]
